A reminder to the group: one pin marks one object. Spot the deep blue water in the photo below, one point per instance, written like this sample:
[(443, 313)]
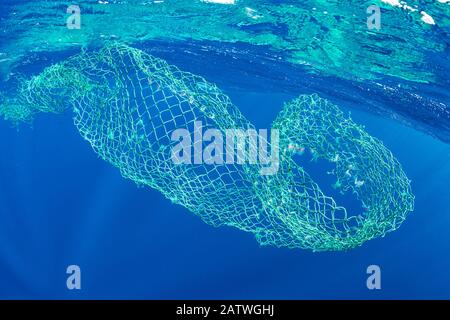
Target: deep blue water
[(61, 205)]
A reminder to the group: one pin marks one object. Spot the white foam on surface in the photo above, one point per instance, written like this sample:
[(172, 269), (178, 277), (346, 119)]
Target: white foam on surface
[(219, 1), (394, 3), (427, 18), (252, 13)]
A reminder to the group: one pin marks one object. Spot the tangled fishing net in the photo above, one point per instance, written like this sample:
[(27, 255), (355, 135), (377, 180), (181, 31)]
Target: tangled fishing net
[(127, 104)]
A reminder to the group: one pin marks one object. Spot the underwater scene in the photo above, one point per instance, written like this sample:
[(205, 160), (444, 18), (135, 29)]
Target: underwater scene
[(225, 149)]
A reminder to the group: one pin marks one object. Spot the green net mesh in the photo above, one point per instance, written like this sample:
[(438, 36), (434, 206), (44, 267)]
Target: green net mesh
[(127, 103)]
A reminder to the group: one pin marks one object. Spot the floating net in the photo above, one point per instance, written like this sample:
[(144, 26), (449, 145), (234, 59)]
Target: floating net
[(127, 104)]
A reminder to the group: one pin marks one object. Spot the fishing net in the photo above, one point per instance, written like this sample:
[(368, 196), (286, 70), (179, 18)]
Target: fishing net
[(127, 105)]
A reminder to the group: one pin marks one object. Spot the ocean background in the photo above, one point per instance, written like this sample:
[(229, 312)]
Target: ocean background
[(62, 205)]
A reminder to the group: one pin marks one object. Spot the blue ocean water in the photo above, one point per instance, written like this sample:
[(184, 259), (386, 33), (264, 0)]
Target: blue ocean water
[(62, 205)]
